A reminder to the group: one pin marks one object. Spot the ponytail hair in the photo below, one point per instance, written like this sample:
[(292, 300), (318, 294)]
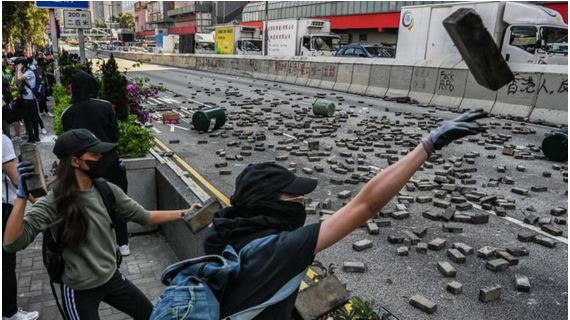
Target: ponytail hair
[(73, 217)]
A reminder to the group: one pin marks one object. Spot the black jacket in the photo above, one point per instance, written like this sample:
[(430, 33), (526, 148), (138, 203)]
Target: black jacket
[(87, 112)]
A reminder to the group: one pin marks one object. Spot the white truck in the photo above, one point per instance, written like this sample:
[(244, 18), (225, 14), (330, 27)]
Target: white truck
[(169, 44), (204, 43), (236, 39), (300, 37), (525, 33)]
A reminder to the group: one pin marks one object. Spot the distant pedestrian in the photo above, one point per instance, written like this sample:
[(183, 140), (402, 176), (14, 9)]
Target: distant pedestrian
[(41, 74), (98, 116), (12, 109), (27, 81), (10, 310), (76, 214)]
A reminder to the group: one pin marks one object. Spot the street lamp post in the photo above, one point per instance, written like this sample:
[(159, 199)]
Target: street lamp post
[(265, 33)]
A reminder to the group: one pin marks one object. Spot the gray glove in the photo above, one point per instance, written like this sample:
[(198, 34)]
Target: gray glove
[(453, 129)]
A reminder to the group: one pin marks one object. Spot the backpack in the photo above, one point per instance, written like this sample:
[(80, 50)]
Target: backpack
[(38, 91), (52, 251), (196, 286)]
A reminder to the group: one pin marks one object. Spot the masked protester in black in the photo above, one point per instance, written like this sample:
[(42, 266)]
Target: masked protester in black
[(268, 200), (259, 209), (98, 116)]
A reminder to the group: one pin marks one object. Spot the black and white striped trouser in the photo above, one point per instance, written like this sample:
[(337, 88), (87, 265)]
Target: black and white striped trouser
[(118, 292)]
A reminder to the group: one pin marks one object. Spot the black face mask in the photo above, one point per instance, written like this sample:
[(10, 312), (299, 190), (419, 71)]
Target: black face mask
[(97, 169)]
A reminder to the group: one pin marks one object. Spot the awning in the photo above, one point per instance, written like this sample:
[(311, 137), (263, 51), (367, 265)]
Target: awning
[(378, 21)]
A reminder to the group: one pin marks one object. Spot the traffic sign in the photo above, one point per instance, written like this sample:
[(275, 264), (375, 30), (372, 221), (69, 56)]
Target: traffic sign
[(74, 19), (63, 4)]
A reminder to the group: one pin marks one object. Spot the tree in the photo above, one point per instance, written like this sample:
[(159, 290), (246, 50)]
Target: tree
[(23, 23), (114, 88), (126, 21)]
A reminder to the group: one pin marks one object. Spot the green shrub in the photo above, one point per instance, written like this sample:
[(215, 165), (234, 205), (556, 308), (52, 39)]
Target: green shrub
[(135, 141), (360, 310), (62, 101), (68, 63), (114, 88)]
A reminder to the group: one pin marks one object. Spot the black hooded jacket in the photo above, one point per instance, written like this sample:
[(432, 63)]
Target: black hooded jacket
[(89, 113)]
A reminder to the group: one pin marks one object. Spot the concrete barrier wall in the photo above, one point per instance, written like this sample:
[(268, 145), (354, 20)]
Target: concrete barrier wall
[(343, 77), (379, 79), (293, 67), (518, 98), (304, 71), (450, 85), (329, 74), (360, 76), (552, 97), (476, 96), (400, 80), (280, 70), (424, 80), (315, 74), (539, 92)]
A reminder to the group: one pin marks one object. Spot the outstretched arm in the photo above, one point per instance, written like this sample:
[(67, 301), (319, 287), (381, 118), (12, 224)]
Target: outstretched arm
[(386, 184)]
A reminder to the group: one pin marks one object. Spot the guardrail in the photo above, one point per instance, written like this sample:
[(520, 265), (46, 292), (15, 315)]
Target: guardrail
[(539, 93)]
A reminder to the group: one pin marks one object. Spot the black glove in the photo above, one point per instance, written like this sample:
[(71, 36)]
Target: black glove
[(25, 170), (454, 129)]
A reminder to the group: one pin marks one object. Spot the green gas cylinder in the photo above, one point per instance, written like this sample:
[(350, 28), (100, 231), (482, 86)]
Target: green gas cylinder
[(323, 107), (555, 145), (209, 119)]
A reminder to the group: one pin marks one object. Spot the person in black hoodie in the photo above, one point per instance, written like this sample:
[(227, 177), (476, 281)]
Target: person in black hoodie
[(97, 116), (268, 201)]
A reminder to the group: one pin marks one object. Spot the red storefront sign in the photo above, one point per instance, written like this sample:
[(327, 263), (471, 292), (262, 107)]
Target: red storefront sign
[(378, 21)]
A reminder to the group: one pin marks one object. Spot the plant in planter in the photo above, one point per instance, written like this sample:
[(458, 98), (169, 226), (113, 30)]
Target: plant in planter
[(134, 141), (68, 63), (62, 101), (114, 88), (361, 310), (138, 93)]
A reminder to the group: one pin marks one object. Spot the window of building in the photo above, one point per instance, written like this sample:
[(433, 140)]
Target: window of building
[(351, 7), (363, 37), (523, 37), (327, 9), (334, 9)]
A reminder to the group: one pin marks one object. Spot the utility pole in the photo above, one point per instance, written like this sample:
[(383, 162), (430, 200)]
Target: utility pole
[(81, 45), (265, 33), (55, 47)]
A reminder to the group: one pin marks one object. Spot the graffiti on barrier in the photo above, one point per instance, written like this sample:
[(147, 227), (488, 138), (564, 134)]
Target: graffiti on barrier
[(446, 78), (522, 85), (329, 71), (561, 87)]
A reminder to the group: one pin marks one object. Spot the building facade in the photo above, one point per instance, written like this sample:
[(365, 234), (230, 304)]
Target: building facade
[(368, 22), (102, 12), (183, 17)]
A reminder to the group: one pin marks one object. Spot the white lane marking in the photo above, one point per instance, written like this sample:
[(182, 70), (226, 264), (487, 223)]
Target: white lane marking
[(522, 224), (179, 127), (170, 100), (155, 101), (156, 130), (171, 128)]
